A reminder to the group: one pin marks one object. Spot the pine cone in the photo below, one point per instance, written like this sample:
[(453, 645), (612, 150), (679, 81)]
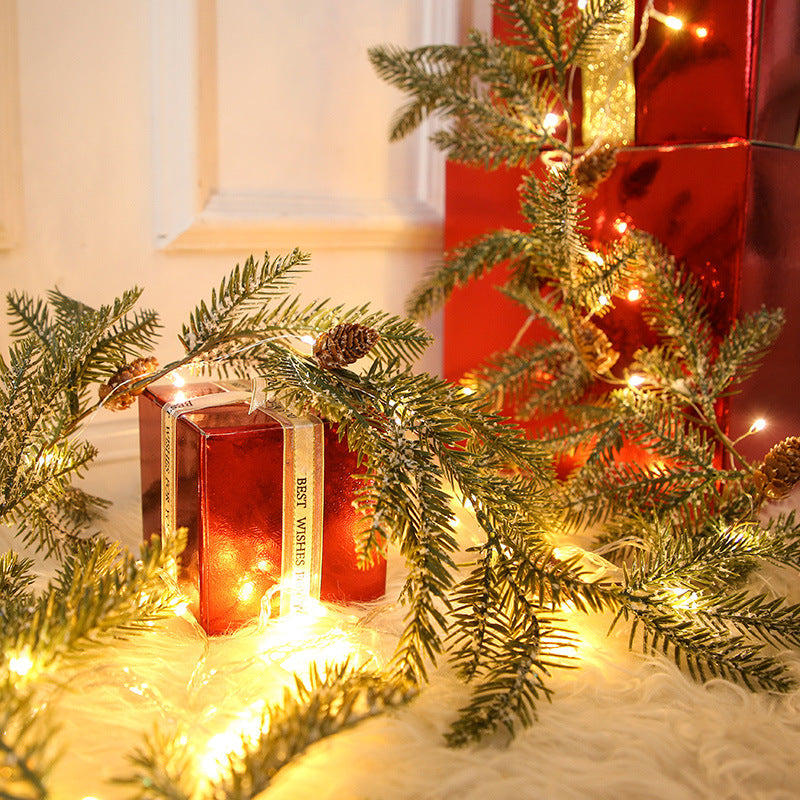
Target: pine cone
[(122, 400), (344, 344), (594, 347), (780, 471), (593, 169)]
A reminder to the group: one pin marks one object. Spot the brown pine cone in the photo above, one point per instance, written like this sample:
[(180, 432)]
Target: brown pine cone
[(593, 169), (594, 347), (344, 344), (124, 399), (780, 470)]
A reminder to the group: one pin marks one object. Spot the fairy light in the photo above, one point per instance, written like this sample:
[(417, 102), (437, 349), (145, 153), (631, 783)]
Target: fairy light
[(635, 381), (582, 5), (667, 19), (181, 608), (21, 664), (603, 300), (307, 339), (551, 122), (467, 390), (177, 379), (758, 425), (635, 295), (246, 591), (701, 32), (684, 598), (621, 225), (596, 258)]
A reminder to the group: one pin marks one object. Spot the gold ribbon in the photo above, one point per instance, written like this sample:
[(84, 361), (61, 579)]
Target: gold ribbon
[(609, 93)]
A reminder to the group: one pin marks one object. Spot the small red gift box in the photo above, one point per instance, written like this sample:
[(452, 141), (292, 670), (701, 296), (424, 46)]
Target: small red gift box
[(732, 70), (727, 210), (266, 499)]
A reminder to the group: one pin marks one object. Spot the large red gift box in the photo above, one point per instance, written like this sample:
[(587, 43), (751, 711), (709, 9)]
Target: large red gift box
[(230, 495), (728, 210), (731, 70)]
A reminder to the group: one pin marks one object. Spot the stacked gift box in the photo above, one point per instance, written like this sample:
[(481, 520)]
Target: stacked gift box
[(713, 174)]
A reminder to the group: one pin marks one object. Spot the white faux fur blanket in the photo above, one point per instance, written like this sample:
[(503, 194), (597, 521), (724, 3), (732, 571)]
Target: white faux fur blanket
[(619, 726)]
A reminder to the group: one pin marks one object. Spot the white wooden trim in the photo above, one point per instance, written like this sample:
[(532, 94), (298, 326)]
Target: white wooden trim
[(10, 140), (192, 214)]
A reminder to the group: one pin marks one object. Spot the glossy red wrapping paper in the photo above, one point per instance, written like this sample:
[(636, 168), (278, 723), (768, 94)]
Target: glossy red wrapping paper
[(729, 211), (230, 498), (741, 79)]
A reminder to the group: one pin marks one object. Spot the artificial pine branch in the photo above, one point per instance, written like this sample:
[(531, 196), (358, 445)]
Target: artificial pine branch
[(697, 512)]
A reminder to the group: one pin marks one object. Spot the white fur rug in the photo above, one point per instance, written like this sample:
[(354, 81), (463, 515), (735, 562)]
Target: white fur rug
[(620, 726)]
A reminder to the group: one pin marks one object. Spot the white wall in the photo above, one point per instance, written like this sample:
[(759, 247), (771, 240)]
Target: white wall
[(158, 142)]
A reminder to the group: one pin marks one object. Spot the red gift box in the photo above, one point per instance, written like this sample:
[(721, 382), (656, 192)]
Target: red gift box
[(235, 486), (727, 210), (731, 71)]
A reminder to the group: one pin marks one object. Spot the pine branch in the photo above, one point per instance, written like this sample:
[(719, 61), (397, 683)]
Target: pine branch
[(103, 592), (326, 704), (467, 263), (238, 303), (599, 22), (770, 619), (744, 346), (26, 735), (704, 652), (163, 769), (507, 693), (16, 580)]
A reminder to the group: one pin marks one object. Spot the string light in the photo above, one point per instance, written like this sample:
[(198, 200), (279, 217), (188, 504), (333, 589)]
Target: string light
[(595, 257), (701, 32), (21, 663), (550, 122), (634, 295), (467, 390), (177, 379), (582, 5), (758, 425), (306, 339), (635, 381), (667, 19), (603, 300), (621, 225), (246, 590), (684, 598)]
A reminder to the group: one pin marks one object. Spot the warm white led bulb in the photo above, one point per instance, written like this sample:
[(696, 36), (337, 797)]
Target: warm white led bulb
[(758, 425), (21, 664), (603, 300), (582, 4), (635, 381), (667, 19), (550, 122), (177, 379), (634, 295), (308, 339)]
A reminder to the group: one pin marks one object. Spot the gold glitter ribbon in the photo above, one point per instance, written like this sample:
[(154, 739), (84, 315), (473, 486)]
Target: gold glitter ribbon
[(609, 93)]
